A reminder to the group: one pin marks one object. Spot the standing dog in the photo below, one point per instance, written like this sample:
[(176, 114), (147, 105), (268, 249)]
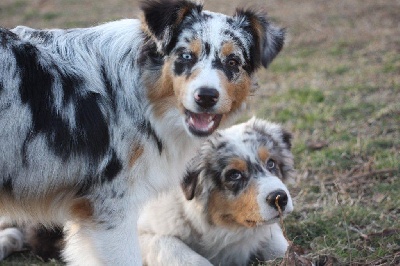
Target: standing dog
[(94, 121), (226, 213)]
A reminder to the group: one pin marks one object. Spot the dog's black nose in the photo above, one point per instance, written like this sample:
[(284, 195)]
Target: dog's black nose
[(206, 97), (282, 200)]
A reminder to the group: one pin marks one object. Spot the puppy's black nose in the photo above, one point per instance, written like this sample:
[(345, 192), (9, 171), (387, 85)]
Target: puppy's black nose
[(206, 97), (282, 200)]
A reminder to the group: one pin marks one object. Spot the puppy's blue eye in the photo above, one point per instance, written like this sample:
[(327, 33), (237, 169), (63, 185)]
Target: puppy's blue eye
[(186, 56), (233, 175), (271, 165)]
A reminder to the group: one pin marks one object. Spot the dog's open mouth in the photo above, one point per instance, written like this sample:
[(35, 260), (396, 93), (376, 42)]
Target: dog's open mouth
[(202, 124)]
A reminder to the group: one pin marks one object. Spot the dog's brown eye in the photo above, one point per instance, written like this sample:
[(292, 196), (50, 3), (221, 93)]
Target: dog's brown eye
[(233, 175), (232, 62), (271, 164)]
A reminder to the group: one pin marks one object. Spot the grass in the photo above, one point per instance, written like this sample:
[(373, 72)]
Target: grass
[(336, 81)]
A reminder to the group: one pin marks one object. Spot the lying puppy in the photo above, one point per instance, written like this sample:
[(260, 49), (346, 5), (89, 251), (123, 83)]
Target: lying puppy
[(225, 212), (95, 121)]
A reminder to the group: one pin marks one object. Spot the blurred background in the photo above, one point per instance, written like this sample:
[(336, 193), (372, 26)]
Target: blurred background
[(336, 86)]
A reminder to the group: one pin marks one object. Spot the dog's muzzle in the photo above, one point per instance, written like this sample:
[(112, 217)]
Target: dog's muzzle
[(204, 123)]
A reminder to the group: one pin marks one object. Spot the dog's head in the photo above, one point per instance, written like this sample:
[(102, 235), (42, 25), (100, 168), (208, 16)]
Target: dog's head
[(203, 62), (239, 173)]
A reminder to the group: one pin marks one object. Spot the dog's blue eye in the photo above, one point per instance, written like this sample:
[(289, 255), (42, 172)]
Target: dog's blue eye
[(186, 56), (233, 175), (271, 164)]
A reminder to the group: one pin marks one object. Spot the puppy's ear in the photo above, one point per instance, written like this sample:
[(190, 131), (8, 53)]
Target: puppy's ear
[(189, 184), (287, 138), (268, 39), (161, 19)]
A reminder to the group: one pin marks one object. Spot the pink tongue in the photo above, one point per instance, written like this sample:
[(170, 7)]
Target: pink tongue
[(201, 121)]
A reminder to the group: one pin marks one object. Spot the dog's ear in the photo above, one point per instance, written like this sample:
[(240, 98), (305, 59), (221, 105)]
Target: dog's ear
[(161, 19), (189, 183), (268, 39)]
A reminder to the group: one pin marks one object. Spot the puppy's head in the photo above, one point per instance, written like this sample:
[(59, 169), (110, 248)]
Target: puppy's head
[(239, 172), (205, 60)]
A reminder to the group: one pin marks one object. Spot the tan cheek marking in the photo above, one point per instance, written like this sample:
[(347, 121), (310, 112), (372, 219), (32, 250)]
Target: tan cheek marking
[(263, 154), (137, 151), (238, 164), (82, 209), (241, 211), (236, 92), (160, 89)]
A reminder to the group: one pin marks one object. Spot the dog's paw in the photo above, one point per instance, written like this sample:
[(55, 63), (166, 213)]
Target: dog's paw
[(11, 240)]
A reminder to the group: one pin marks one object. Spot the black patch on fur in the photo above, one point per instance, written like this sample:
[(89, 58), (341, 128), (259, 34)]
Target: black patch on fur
[(254, 168), (90, 137), (7, 37), (221, 145), (108, 86), (179, 68), (287, 138), (113, 167), (146, 128), (149, 57), (1, 86), (228, 71), (46, 243), (93, 136), (85, 187), (43, 36), (182, 66), (207, 49), (8, 185)]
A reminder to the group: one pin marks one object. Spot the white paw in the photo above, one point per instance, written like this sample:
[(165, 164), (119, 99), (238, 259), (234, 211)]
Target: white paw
[(11, 240)]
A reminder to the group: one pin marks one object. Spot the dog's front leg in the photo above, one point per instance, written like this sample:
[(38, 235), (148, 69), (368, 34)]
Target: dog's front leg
[(108, 236), (274, 245), (168, 250)]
